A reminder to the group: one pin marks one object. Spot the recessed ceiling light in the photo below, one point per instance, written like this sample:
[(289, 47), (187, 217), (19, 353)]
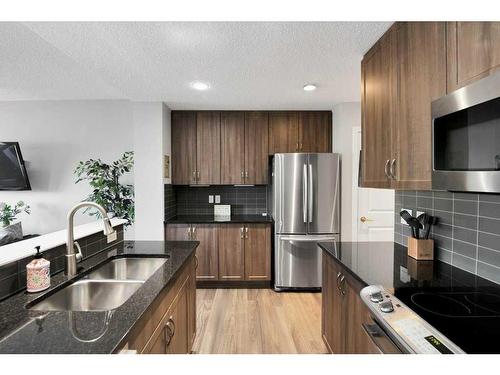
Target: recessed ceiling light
[(309, 87), (197, 85)]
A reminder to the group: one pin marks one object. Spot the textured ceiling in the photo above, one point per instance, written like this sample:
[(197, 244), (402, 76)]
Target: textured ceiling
[(254, 65)]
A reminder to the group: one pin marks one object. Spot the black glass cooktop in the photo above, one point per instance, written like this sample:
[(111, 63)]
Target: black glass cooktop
[(469, 318)]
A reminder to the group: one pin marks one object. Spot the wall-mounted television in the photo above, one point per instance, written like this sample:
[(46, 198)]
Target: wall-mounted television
[(13, 174)]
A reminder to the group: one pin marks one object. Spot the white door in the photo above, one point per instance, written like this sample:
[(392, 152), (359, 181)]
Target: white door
[(373, 218)]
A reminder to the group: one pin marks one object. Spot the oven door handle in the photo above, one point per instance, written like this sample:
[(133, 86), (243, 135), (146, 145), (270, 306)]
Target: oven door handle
[(380, 339)]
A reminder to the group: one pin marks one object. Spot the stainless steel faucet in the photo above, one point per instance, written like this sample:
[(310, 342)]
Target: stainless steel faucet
[(73, 257)]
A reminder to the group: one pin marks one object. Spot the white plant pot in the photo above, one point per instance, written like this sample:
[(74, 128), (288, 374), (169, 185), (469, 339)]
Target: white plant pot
[(11, 233)]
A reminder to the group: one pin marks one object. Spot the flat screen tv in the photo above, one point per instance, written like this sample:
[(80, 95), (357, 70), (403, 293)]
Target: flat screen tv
[(13, 174)]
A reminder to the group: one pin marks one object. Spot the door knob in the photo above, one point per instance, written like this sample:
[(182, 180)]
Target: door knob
[(364, 219)]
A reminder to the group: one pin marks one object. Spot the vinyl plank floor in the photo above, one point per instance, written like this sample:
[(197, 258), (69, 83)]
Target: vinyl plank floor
[(257, 321)]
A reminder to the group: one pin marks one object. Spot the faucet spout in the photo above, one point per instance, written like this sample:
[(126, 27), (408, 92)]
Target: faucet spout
[(73, 257)]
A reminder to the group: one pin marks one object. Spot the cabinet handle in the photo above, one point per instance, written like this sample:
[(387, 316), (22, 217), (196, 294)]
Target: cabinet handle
[(386, 168), (243, 176), (246, 174), (197, 175), (301, 146), (297, 146), (169, 331), (193, 232), (338, 277), (241, 232), (194, 176), (342, 289), (391, 169), (246, 232), (195, 262), (189, 233)]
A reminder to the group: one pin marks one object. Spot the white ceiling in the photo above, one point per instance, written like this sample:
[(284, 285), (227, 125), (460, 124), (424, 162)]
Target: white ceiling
[(249, 65)]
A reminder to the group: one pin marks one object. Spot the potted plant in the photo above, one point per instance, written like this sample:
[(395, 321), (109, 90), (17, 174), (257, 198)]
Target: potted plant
[(107, 190), (10, 232)]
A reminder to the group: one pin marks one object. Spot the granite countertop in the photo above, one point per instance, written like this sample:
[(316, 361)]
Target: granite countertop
[(202, 219), (388, 264), (29, 331)]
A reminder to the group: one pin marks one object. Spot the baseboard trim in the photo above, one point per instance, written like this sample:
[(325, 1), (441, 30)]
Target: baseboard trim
[(203, 284)]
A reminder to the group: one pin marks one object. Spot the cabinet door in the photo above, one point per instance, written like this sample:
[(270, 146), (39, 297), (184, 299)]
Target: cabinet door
[(231, 252), (473, 50), (178, 325), (421, 53), (256, 148), (233, 148), (315, 132), (208, 147), (257, 252), (177, 232), (378, 79), (283, 132), (183, 148), (332, 315), (356, 339), (207, 253)]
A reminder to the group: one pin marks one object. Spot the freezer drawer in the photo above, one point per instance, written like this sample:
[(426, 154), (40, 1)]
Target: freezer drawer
[(298, 261)]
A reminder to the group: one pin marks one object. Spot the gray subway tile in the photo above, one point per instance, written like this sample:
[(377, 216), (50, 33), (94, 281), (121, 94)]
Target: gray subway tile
[(443, 194), (443, 242), (466, 235), (488, 209), (464, 248), (489, 256), (466, 221), (465, 207), (463, 263), (489, 198), (428, 194), (443, 255), (465, 196), (489, 240), (443, 205), (488, 272), (489, 225), (443, 230), (424, 202), (444, 217)]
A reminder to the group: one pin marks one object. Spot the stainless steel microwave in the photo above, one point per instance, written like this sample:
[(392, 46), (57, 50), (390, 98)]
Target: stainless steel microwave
[(466, 138)]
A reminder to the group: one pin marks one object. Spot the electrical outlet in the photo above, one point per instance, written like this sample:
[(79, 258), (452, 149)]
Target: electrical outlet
[(409, 211), (217, 199), (210, 199), (420, 213)]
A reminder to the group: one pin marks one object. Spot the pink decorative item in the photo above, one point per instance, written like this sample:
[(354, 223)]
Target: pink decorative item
[(37, 273)]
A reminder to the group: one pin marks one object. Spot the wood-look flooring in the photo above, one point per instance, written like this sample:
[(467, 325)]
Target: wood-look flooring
[(259, 321)]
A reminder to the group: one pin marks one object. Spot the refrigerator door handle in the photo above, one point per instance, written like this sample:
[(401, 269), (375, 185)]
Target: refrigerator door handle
[(310, 196), (304, 193)]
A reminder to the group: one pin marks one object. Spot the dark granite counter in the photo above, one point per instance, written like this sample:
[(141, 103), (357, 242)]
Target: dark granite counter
[(206, 219), (461, 305), (29, 331)]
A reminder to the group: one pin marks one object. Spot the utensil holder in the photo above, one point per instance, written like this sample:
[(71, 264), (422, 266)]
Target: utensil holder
[(421, 249)]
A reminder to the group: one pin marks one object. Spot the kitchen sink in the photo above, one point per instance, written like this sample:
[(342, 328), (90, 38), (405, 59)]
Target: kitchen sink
[(90, 295), (127, 269)]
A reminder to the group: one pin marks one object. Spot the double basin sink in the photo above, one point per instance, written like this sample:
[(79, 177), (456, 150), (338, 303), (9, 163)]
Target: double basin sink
[(106, 288)]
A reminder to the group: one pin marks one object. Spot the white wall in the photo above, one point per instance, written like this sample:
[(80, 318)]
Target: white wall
[(345, 117), (151, 121), (54, 136)]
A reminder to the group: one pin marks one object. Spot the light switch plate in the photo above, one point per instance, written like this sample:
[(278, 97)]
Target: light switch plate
[(210, 199), (217, 199), (409, 211), (112, 237)]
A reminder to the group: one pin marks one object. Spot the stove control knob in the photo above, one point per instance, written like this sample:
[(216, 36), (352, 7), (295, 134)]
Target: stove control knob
[(376, 297), (386, 307)]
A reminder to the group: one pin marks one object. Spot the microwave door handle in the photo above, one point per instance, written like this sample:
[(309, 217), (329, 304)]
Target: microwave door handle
[(310, 197), (304, 193)]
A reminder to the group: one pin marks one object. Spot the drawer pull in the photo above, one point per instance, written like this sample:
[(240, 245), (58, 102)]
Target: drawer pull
[(169, 331)]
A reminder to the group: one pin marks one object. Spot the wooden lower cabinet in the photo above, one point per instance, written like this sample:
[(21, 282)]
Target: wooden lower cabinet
[(207, 253), (169, 325), (257, 252), (343, 312), (231, 252)]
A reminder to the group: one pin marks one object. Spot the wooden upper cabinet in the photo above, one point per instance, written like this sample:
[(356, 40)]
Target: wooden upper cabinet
[(473, 50), (208, 147), (256, 147), (231, 252), (207, 253), (283, 132), (315, 131), (232, 148), (421, 56), (378, 101), (257, 252), (183, 148)]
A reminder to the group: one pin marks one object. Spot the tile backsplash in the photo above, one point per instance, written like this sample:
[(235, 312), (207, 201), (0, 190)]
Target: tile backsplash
[(467, 235), (188, 200)]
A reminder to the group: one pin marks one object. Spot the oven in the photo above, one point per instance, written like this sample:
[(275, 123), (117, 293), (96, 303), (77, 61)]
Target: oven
[(466, 138)]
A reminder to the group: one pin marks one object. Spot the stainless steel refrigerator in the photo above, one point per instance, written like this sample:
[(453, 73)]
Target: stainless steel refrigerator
[(306, 210)]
